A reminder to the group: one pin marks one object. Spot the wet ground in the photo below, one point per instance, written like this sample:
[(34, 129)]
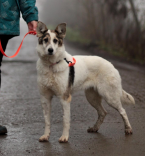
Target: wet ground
[(21, 112)]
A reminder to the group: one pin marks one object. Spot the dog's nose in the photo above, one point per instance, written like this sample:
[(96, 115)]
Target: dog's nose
[(50, 51)]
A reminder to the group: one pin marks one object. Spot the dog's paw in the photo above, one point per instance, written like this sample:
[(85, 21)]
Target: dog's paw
[(92, 130), (128, 131), (43, 138), (63, 139)]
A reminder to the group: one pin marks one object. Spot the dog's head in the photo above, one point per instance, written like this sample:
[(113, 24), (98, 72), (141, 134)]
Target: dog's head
[(50, 40)]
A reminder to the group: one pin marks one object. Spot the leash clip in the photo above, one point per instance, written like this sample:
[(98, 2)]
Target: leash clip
[(71, 63)]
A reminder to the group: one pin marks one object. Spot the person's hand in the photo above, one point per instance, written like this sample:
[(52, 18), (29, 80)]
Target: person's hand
[(32, 25)]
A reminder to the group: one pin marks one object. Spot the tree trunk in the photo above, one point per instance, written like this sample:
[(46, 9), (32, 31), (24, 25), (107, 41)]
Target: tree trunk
[(135, 18)]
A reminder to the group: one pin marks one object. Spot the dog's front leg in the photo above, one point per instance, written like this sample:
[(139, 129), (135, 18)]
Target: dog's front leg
[(46, 105), (66, 120)]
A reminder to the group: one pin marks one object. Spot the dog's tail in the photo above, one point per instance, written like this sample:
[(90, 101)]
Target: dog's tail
[(127, 98)]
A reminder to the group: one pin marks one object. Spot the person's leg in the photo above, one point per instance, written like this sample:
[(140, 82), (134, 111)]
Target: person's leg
[(4, 40)]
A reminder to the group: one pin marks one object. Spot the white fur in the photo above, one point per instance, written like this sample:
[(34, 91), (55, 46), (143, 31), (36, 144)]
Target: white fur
[(95, 75)]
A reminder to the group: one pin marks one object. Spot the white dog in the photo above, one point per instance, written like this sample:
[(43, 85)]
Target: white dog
[(95, 75)]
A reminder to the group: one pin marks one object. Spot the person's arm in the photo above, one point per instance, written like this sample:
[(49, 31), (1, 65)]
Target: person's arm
[(29, 13)]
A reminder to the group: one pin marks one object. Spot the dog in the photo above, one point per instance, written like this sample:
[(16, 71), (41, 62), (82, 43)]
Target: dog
[(95, 75)]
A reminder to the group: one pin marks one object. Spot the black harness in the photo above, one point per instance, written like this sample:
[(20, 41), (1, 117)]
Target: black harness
[(71, 74)]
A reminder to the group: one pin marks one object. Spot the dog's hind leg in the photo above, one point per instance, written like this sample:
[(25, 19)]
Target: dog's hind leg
[(111, 91), (115, 102), (95, 100)]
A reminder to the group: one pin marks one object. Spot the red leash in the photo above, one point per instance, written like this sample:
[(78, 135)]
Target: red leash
[(33, 33), (2, 51)]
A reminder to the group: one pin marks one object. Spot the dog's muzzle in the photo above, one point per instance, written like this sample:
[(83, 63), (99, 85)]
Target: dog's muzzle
[(50, 51)]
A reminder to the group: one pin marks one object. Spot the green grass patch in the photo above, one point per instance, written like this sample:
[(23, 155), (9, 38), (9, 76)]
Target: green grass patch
[(75, 36), (113, 50), (120, 52)]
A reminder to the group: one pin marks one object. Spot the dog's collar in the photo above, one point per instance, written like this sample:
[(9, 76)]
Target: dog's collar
[(54, 64), (69, 62)]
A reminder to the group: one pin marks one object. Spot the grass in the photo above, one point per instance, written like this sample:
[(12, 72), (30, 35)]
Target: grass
[(120, 52), (112, 50)]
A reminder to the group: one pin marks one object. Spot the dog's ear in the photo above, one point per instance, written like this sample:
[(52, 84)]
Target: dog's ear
[(41, 29), (61, 30)]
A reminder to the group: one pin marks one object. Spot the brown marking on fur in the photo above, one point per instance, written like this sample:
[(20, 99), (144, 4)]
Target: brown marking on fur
[(67, 93), (41, 29), (67, 97), (61, 30), (60, 40), (53, 31), (40, 40), (45, 36)]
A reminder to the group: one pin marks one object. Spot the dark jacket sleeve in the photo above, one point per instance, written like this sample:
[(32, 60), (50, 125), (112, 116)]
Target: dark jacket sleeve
[(29, 10)]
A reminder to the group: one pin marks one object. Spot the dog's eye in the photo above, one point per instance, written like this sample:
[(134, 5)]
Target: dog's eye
[(46, 39), (55, 40)]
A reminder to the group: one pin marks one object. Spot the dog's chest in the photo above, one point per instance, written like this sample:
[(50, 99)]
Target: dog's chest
[(57, 82)]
